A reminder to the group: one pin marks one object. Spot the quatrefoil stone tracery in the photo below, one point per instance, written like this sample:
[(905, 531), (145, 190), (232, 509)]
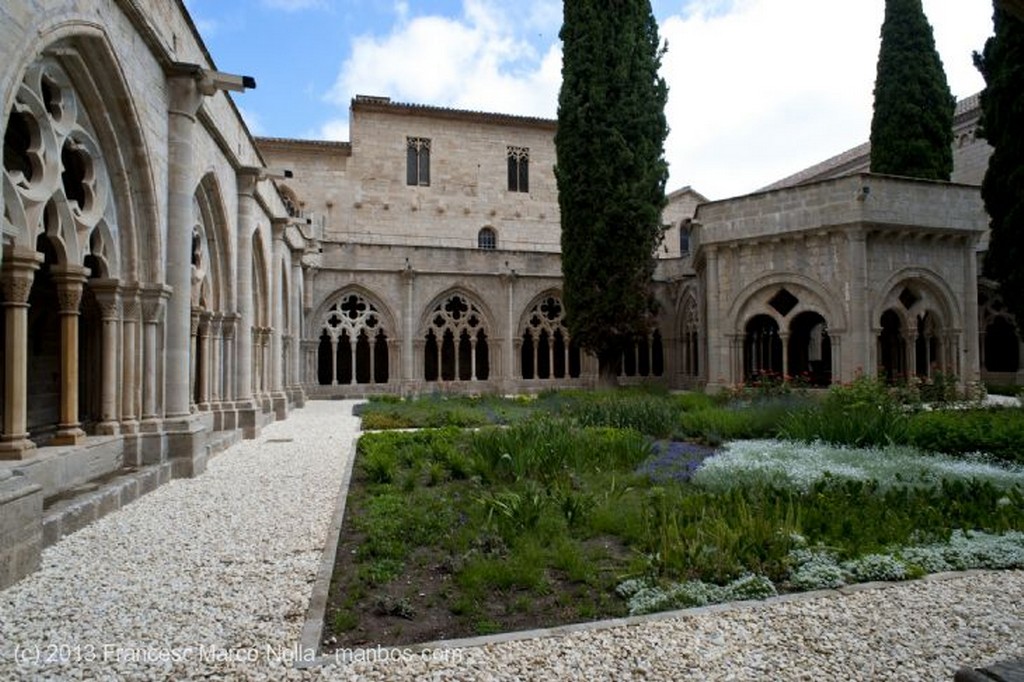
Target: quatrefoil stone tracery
[(456, 314), (548, 315), (353, 314)]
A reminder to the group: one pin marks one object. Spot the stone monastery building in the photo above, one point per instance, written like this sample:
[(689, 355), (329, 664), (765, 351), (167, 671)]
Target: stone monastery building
[(168, 288)]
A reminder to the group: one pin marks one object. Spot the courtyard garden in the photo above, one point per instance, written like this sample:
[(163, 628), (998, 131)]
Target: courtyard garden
[(470, 516)]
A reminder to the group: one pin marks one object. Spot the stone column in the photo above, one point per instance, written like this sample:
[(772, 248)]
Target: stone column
[(193, 356), (861, 347), (181, 184), (243, 360), (153, 301), (108, 296), (408, 373), (130, 358), (298, 287), (228, 323), (719, 366), (353, 344), (334, 360), (373, 359), (971, 369), (203, 364), (264, 373), (216, 354), (509, 360), (278, 301), (420, 356), (69, 280), (784, 339), (19, 269), (836, 344), (472, 358)]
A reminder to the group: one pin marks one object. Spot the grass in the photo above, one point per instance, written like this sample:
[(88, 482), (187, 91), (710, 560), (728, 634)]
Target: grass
[(577, 506)]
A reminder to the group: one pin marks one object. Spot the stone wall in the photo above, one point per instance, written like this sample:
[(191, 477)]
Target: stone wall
[(844, 249)]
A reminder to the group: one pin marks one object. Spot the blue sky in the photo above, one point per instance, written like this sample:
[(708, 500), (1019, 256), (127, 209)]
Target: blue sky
[(758, 89)]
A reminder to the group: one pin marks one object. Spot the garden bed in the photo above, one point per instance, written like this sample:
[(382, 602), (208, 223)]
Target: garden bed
[(583, 507)]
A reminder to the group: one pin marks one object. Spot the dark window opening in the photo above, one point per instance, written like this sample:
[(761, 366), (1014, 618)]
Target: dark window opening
[(783, 302), (76, 165), (17, 142), (487, 239), (518, 169), (417, 161)]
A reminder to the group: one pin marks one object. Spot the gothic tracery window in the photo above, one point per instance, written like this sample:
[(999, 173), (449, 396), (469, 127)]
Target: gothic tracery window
[(52, 156), (455, 344), (518, 168), (353, 344), (547, 352), (417, 161)]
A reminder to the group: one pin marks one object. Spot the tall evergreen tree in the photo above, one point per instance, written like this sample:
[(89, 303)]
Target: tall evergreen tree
[(1002, 118), (912, 127), (611, 172)]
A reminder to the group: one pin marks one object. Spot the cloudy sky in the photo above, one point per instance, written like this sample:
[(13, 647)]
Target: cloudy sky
[(758, 89)]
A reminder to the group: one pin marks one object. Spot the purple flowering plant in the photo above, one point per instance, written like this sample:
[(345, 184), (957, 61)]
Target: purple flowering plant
[(674, 460)]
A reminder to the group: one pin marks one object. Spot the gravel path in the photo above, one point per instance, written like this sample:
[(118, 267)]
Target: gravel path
[(209, 578)]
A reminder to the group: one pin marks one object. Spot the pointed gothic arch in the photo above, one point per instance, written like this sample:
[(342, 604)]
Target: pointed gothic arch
[(547, 351), (356, 336), (455, 335)]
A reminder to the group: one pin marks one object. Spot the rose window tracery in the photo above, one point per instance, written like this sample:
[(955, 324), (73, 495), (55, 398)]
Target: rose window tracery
[(54, 176)]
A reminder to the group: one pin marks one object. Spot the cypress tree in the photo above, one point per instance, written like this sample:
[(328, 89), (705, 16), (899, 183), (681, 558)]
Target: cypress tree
[(912, 127), (1002, 115), (611, 172)]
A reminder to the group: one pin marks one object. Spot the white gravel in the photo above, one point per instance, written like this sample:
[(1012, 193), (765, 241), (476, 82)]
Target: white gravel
[(202, 575)]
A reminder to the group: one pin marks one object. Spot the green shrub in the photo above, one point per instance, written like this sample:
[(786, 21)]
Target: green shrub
[(654, 415), (547, 450), (861, 413), (998, 432), (762, 419)]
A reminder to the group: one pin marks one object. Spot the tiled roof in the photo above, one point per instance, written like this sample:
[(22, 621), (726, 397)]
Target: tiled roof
[(300, 142), (372, 103)]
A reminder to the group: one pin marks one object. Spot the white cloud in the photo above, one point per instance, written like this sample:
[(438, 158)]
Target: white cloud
[(335, 130), (759, 89), (774, 86), (479, 60)]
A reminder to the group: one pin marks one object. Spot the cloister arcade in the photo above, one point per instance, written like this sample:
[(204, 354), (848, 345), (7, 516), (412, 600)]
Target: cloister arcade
[(915, 337)]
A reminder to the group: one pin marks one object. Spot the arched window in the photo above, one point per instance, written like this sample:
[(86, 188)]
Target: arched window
[(644, 356), (810, 349), (892, 347), (684, 237), (353, 344), (487, 239), (762, 348), (547, 351), (455, 344)]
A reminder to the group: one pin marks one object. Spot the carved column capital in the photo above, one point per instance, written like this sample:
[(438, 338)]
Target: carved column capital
[(216, 324), (69, 280), (154, 299), (130, 304), (20, 267), (229, 323), (108, 296)]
